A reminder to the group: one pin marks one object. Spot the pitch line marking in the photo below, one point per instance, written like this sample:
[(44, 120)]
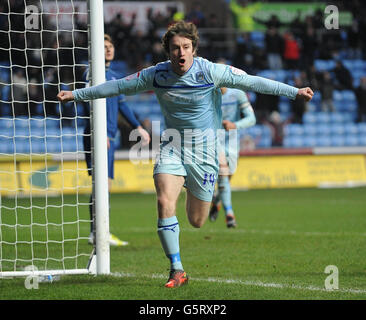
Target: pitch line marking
[(244, 283), (290, 232)]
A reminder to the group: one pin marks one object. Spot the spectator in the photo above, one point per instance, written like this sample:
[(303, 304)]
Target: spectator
[(272, 22), (309, 47), (19, 93), (197, 16), (314, 77), (35, 97), (243, 57), (326, 90), (298, 108), (274, 48), (276, 126), (343, 77), (291, 52), (247, 143), (243, 12), (265, 104), (361, 100), (354, 40)]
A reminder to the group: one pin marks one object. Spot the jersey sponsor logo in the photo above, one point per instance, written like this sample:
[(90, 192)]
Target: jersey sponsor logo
[(237, 71), (164, 80)]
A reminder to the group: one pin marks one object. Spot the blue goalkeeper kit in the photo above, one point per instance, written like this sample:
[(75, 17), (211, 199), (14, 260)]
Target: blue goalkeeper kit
[(114, 105), (191, 104)]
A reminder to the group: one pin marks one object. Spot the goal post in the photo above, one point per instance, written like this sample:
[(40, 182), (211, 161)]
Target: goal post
[(44, 184), (99, 139)]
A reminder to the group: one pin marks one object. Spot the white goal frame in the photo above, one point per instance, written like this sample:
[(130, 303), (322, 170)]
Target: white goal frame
[(99, 262)]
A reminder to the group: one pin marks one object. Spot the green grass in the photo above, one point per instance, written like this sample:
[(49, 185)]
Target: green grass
[(280, 249)]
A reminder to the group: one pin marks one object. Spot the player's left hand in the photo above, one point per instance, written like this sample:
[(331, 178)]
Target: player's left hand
[(145, 137), (228, 125), (305, 93)]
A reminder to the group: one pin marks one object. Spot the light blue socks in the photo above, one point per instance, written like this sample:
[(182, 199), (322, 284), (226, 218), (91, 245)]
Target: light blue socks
[(168, 231), (225, 194)]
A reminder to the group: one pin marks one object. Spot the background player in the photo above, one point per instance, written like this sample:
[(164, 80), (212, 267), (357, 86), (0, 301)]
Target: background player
[(237, 113), (114, 105), (187, 88)]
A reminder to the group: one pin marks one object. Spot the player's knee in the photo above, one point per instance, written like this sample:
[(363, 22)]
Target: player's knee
[(196, 222), (165, 204)]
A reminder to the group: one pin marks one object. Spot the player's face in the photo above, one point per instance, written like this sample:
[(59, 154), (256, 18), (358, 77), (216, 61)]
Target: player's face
[(108, 51), (181, 54)]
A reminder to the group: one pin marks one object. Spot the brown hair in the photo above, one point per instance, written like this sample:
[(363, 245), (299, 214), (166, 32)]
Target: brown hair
[(181, 28), (108, 38)]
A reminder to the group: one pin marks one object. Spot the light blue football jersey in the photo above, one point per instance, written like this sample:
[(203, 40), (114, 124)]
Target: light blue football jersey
[(190, 101), (231, 102)]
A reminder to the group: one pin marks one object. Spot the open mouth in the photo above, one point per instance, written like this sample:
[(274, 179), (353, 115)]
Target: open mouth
[(182, 61)]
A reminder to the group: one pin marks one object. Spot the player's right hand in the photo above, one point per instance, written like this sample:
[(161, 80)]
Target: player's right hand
[(65, 96)]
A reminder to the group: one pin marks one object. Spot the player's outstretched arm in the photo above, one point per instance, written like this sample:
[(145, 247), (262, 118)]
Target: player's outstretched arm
[(65, 96), (305, 93)]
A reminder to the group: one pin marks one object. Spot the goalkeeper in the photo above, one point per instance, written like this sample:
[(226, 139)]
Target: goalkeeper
[(187, 88), (114, 105)]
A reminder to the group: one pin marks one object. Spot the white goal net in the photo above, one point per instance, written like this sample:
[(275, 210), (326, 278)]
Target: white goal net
[(44, 184)]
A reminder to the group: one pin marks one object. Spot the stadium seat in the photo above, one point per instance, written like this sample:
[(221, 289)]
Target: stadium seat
[(351, 140), (53, 145), (351, 128), (310, 129), (338, 140), (37, 122), (6, 145), (254, 131), (69, 144), (21, 132), (337, 117), (297, 142), (322, 65), (293, 129), (322, 117), (6, 132), (317, 97), (361, 128), (337, 95), (337, 129), (312, 107), (309, 117), (309, 141), (323, 129), (22, 145), (284, 107), (323, 141), (350, 106), (264, 142), (359, 64), (362, 140), (269, 74), (37, 145), (5, 93), (52, 123), (6, 123), (348, 95)]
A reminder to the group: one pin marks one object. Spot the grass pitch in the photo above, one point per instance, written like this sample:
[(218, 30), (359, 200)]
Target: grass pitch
[(284, 241)]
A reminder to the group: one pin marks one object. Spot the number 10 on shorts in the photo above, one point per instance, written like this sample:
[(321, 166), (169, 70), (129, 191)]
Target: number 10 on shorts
[(211, 178)]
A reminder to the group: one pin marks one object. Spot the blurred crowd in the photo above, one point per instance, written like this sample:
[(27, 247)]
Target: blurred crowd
[(41, 61)]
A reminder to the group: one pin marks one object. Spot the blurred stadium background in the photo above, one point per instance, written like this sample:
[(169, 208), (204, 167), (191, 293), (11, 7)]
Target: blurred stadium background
[(284, 238), (285, 41)]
